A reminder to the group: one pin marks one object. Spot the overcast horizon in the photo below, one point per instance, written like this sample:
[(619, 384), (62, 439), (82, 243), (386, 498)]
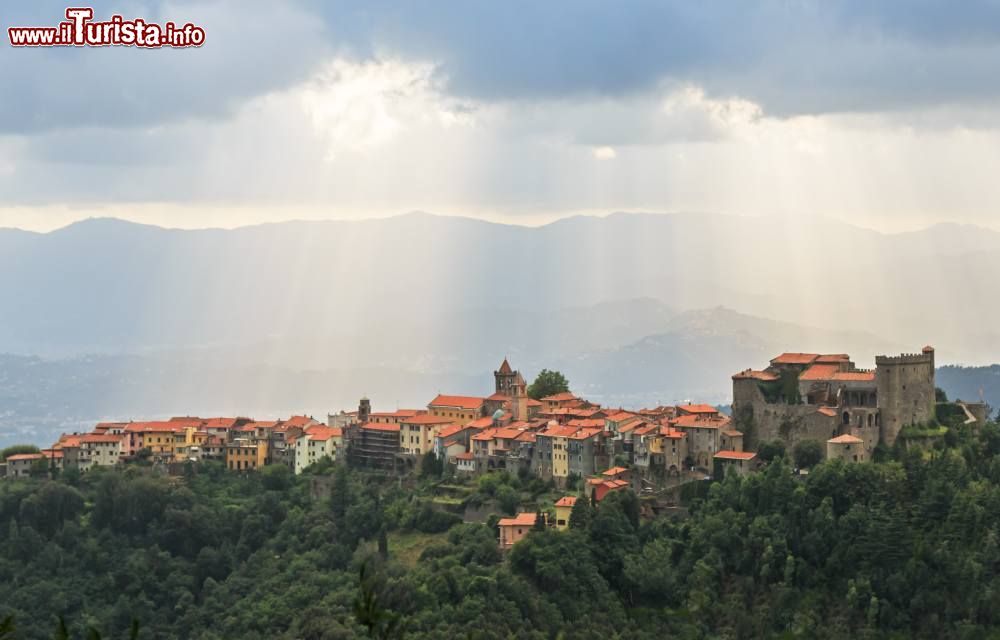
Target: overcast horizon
[(881, 116)]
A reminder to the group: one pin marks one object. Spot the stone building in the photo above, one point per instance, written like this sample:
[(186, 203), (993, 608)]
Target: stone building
[(822, 396)]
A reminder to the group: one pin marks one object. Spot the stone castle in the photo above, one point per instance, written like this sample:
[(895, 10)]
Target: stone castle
[(822, 396)]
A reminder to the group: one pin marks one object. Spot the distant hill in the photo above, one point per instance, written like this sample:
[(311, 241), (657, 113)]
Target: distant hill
[(971, 383), (420, 287)]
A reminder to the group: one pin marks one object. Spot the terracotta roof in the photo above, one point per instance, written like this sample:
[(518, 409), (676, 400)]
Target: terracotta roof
[(614, 471), (701, 422), (794, 358), (560, 397), (732, 433), (155, 426), (484, 435), (525, 519), (24, 456), (98, 438), (220, 423), (298, 421), (854, 376), (585, 433), (506, 433), (324, 433), (586, 423), (735, 455), (398, 413), (426, 418), (466, 455), (527, 436), (750, 374), (846, 439), (499, 397), (566, 501), (833, 357), (462, 402), (380, 426), (534, 403), (618, 416), (480, 423), (667, 432), (505, 367), (697, 408), (820, 372), (447, 432), (827, 411)]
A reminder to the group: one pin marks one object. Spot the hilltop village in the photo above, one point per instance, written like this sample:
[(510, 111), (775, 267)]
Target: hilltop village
[(561, 437)]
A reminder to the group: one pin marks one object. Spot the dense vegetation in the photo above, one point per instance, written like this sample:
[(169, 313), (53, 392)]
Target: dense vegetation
[(908, 547)]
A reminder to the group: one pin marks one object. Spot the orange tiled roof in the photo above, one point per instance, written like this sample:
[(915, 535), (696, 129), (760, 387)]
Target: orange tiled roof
[(668, 432), (560, 397), (614, 471), (701, 422), (794, 358), (586, 433), (462, 402), (447, 432), (398, 413), (154, 426), (732, 433), (833, 357), (24, 456), (750, 374), (827, 411), (426, 418), (697, 408), (324, 433), (735, 455), (380, 426), (525, 519), (566, 501), (846, 439), (100, 438), (820, 372), (466, 455), (534, 403), (618, 416), (220, 423), (499, 397)]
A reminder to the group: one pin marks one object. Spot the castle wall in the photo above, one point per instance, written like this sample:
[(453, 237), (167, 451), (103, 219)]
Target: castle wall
[(905, 391)]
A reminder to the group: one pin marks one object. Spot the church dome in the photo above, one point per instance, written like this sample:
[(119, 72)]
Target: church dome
[(498, 414)]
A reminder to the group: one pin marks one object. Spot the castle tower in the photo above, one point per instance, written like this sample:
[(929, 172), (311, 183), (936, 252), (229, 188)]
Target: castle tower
[(505, 377), (364, 410), (905, 386)]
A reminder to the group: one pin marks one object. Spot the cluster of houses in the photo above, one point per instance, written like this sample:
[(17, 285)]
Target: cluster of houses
[(560, 437), (243, 444)]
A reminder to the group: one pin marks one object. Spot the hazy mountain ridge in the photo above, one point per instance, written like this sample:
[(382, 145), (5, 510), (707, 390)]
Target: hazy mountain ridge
[(108, 285)]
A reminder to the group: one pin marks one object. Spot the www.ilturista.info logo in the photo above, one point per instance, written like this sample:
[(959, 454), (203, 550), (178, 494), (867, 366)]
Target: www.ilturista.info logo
[(79, 30)]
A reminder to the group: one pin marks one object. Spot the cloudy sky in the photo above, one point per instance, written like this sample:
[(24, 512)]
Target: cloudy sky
[(884, 114)]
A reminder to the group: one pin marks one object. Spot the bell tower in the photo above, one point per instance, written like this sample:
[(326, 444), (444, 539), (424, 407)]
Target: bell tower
[(505, 378)]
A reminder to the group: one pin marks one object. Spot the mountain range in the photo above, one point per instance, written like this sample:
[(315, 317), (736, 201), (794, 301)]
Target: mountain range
[(307, 316)]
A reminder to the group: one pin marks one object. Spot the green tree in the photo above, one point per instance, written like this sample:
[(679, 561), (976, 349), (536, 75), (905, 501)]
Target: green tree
[(548, 383), (17, 449), (539, 521), (580, 515), (807, 453), (770, 449)]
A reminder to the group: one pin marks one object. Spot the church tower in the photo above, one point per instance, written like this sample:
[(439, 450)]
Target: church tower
[(364, 410), (519, 397), (505, 378)]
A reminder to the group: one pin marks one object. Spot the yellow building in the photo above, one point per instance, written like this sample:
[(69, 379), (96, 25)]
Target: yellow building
[(560, 458), (458, 409), (416, 434), (246, 455), (564, 507)]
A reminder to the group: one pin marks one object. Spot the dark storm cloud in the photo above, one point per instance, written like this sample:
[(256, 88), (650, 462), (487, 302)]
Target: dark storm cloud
[(790, 56)]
